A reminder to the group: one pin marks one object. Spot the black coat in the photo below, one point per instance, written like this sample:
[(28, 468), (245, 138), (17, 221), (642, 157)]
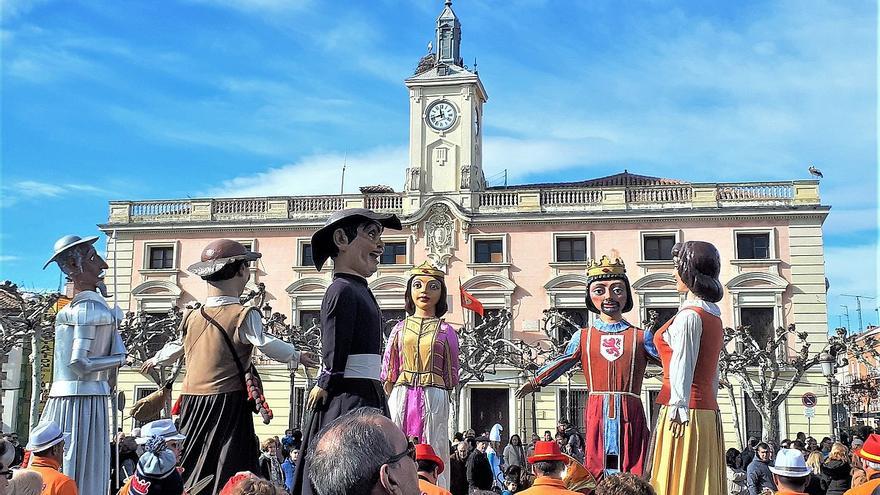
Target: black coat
[(458, 482), (479, 471), (836, 477)]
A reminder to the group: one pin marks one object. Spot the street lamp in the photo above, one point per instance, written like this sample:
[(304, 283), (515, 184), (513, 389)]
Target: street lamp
[(827, 361), (267, 311)]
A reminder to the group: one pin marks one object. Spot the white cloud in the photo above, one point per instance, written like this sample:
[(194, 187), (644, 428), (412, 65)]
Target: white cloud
[(321, 174), (17, 191), (9, 258), (266, 7)]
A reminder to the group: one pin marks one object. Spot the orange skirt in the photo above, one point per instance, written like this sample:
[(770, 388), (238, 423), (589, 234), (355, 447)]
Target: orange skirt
[(694, 463)]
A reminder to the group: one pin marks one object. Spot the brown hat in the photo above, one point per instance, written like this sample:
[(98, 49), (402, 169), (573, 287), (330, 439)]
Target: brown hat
[(220, 253), (322, 240)]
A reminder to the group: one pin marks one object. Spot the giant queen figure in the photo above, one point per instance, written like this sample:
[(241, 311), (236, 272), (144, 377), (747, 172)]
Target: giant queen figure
[(613, 355), (88, 353)]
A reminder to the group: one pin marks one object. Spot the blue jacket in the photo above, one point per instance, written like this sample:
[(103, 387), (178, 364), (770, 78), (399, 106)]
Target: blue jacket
[(758, 476)]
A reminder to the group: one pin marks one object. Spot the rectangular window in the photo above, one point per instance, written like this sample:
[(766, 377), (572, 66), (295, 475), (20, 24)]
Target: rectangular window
[(390, 318), (753, 246), (760, 323), (161, 257), (394, 254), (309, 318), (572, 409), (488, 251), (663, 315), (305, 256), (658, 247), (571, 249)]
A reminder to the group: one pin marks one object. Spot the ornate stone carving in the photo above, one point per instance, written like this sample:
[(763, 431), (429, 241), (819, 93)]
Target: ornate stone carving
[(466, 177), (439, 235)]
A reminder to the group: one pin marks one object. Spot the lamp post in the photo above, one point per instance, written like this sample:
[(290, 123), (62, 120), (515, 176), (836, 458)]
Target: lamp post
[(827, 361)]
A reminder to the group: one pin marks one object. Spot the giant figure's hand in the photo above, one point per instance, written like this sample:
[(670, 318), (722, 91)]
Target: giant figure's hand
[(148, 366), (526, 389), (316, 397), (387, 386)]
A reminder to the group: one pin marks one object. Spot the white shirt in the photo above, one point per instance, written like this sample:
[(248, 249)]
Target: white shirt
[(683, 336), (251, 331)]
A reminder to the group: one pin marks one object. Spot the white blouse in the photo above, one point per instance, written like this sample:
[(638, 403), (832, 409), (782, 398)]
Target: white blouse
[(683, 336)]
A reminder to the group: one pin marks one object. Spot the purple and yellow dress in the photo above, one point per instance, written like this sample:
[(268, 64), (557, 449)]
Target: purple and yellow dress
[(421, 362)]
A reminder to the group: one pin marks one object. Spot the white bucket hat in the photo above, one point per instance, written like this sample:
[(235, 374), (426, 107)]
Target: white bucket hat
[(46, 434), (790, 462), (161, 427)]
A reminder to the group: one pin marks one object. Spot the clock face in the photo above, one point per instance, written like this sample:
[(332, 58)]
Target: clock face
[(441, 115)]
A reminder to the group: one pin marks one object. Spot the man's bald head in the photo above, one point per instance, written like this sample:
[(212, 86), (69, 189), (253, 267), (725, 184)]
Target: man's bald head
[(350, 451)]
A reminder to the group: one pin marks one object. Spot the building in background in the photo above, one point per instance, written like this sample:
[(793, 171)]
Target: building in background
[(523, 247)]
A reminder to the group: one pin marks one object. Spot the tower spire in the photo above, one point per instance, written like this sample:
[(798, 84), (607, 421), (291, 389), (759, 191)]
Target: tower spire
[(449, 37)]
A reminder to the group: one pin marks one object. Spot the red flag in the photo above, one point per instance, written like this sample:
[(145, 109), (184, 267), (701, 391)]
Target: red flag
[(470, 302)]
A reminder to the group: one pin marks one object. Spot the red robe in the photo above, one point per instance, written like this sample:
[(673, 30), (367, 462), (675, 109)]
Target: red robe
[(614, 364)]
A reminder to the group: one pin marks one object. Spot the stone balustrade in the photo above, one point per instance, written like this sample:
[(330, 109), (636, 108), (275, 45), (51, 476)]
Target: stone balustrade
[(513, 200)]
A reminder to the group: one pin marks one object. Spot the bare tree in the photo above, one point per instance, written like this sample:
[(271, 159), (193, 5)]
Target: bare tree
[(769, 373), (28, 316)]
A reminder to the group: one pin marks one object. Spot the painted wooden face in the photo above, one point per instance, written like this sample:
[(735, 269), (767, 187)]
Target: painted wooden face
[(425, 292), (609, 296)]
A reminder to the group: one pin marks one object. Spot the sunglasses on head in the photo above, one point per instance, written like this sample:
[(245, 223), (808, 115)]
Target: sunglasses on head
[(410, 451)]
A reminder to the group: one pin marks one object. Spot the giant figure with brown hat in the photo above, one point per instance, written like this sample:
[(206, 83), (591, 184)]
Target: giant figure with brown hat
[(613, 355), (351, 324), (218, 340), (88, 353)]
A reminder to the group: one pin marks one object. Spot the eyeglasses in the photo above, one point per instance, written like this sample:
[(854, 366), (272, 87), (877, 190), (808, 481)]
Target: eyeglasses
[(7, 473), (410, 451)]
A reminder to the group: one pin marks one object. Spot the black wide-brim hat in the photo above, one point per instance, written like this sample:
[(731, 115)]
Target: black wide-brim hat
[(322, 240)]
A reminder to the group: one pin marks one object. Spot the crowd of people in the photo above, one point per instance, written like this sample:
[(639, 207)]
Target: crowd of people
[(830, 468)]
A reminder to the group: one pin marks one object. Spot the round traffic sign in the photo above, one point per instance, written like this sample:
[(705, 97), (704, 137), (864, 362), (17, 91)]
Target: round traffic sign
[(809, 399)]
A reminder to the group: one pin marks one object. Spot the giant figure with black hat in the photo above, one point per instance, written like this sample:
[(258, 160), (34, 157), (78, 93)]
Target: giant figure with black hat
[(218, 340), (351, 324), (88, 353), (613, 354)]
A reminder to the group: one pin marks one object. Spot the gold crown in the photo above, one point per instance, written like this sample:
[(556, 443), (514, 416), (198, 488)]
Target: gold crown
[(606, 266), (426, 268)]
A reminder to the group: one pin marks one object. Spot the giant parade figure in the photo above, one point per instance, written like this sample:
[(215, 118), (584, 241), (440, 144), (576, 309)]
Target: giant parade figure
[(613, 355), (688, 455), (218, 339), (420, 366), (351, 326), (88, 354)]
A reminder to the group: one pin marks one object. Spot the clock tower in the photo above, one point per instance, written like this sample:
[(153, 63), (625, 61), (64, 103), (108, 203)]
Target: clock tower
[(446, 119)]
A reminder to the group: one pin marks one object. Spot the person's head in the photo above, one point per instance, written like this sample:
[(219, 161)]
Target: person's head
[(608, 290), (514, 440), (624, 484), (463, 449), (548, 437), (790, 472), (294, 455), (697, 266), (458, 437), (270, 446), (156, 471), (428, 469), (548, 460), (224, 265), (562, 425), (798, 445), (561, 439), (801, 436), (426, 291), (838, 452), (13, 437), (812, 444), (753, 442), (362, 451), (762, 452), (297, 435), (353, 238), (785, 444), (25, 482), (470, 433), (288, 433), (482, 443), (732, 458), (814, 462), (826, 444), (550, 469), (256, 486), (471, 443), (535, 438)]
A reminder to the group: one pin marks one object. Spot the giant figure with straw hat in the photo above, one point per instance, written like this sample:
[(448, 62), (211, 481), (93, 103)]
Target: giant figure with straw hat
[(351, 324), (88, 353), (420, 366), (613, 354)]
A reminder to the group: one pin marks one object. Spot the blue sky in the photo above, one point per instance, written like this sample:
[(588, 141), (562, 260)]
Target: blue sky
[(138, 100)]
